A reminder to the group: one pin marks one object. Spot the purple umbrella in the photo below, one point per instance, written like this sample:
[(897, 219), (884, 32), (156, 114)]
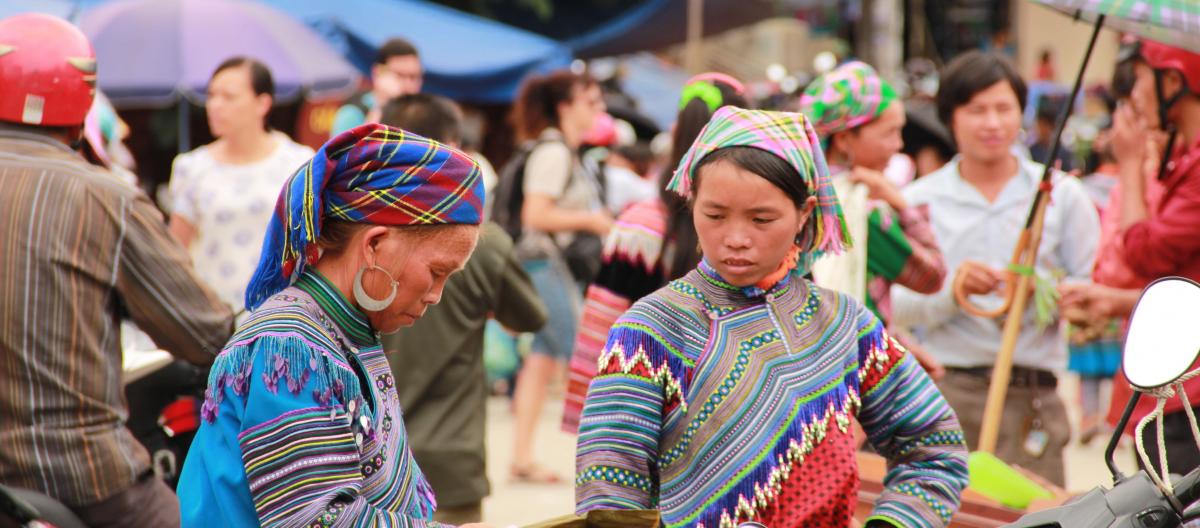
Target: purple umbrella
[(152, 51)]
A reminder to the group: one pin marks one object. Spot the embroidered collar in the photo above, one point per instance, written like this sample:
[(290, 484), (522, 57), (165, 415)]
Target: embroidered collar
[(351, 321), (752, 292)]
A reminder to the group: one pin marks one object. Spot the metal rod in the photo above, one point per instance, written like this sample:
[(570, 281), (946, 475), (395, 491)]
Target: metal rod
[(184, 140), (1116, 437)]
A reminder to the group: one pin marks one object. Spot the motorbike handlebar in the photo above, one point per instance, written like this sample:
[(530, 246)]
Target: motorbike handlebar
[(1187, 489)]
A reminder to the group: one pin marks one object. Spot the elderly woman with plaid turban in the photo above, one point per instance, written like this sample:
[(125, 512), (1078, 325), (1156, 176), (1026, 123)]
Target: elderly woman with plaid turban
[(301, 423), (728, 394)]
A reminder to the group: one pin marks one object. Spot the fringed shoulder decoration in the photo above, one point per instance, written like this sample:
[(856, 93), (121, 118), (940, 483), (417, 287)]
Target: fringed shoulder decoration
[(637, 236), (284, 361)]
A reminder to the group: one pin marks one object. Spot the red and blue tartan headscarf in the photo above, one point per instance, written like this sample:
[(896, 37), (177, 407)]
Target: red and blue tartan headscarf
[(372, 174)]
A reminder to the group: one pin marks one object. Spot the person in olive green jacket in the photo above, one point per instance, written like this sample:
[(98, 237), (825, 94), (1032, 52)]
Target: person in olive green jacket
[(438, 362)]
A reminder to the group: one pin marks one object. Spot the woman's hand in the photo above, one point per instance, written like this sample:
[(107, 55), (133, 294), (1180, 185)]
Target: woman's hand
[(1129, 137), (601, 223), (978, 278), (1087, 302), (183, 231), (540, 213), (878, 186)]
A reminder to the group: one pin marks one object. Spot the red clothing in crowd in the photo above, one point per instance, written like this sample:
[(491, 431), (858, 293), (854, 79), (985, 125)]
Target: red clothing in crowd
[(1165, 244)]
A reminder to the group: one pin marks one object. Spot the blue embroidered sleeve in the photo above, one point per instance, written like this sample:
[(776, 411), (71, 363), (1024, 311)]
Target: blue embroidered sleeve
[(910, 424), (621, 422), (277, 446)]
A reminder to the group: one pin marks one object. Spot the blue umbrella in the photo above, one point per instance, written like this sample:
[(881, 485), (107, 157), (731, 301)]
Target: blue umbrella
[(465, 57), (60, 8), (150, 52)]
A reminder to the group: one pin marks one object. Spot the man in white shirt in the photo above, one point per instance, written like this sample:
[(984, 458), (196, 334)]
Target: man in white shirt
[(978, 205)]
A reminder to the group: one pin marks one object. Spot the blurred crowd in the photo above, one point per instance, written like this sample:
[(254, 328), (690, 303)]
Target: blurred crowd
[(934, 177)]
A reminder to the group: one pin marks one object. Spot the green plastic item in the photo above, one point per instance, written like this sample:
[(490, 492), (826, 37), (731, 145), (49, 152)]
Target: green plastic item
[(994, 479)]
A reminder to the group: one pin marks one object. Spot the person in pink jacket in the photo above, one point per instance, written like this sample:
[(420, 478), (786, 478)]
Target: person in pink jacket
[(1157, 217)]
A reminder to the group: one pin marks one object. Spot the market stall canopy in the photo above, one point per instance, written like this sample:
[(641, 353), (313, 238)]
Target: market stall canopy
[(656, 24), (466, 57)]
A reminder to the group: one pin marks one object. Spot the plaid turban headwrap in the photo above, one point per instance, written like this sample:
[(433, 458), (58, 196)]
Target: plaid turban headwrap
[(789, 136), (847, 97), (372, 174)]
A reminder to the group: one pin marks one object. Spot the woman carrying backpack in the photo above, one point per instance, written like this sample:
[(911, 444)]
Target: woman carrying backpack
[(562, 209), (652, 243)]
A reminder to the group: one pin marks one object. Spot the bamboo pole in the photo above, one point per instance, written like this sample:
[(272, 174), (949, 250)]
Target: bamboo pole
[(993, 411), (1030, 239)]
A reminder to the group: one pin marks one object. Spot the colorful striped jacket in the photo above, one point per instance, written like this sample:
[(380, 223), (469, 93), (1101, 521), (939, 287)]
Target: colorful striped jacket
[(302, 425), (716, 404), (901, 249)]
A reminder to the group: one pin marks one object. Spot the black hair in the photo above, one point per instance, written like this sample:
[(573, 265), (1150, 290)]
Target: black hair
[(924, 130), (681, 231), (770, 167), (1049, 107), (1123, 79), (973, 72), (766, 165), (432, 116), (917, 139), (261, 80), (395, 47), (638, 154)]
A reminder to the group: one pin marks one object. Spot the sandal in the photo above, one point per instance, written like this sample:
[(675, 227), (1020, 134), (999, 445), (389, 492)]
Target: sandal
[(533, 474)]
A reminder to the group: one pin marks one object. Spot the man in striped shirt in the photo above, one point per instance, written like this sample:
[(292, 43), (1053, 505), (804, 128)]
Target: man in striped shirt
[(79, 250)]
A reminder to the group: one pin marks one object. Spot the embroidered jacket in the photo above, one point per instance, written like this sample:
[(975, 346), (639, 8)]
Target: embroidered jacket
[(301, 424), (716, 405)]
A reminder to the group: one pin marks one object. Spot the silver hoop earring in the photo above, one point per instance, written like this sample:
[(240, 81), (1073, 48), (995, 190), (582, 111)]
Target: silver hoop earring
[(367, 302)]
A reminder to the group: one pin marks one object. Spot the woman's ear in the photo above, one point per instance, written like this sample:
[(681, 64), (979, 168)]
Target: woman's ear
[(264, 105), (368, 242), (806, 210), (1172, 82), (837, 142)]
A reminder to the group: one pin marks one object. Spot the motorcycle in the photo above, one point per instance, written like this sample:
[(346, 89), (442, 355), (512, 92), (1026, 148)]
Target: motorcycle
[(31, 509), (1160, 351)]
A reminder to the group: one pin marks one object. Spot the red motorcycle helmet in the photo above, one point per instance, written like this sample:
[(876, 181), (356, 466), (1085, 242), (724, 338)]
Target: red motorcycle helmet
[(47, 70), (1160, 56)]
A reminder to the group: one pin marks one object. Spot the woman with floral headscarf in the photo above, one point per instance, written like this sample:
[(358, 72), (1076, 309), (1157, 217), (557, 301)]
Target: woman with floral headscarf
[(301, 423), (728, 394), (858, 117)]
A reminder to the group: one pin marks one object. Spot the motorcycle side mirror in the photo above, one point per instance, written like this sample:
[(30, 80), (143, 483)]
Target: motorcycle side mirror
[(1161, 345), (1163, 340)]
